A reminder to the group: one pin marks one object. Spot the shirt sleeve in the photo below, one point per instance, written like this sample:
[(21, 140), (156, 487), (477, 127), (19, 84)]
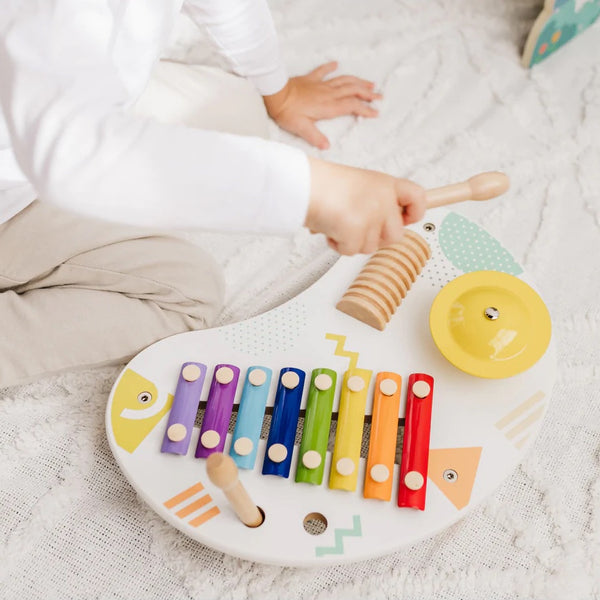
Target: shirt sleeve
[(66, 103), (244, 33)]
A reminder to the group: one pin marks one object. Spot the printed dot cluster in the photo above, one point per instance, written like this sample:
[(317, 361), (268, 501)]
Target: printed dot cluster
[(437, 270), (470, 248), (275, 331)]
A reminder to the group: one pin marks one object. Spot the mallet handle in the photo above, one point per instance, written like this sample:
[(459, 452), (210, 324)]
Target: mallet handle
[(479, 187), (222, 471)]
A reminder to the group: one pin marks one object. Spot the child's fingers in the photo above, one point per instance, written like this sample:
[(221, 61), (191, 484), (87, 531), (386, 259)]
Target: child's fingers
[(372, 241), (354, 89), (323, 70), (347, 247), (308, 131), (350, 238), (345, 79), (411, 197), (354, 106), (332, 244), (393, 229)]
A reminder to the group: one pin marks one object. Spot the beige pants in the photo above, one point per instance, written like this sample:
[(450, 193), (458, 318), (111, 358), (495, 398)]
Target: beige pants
[(80, 292)]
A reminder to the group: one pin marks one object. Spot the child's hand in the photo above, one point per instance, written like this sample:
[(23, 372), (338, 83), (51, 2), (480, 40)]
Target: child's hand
[(358, 210), (310, 98)]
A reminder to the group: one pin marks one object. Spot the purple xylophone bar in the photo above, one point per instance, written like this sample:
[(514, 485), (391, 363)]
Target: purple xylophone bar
[(185, 406), (218, 411)]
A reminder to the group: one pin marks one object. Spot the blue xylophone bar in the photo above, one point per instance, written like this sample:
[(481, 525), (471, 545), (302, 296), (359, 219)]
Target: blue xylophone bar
[(282, 434)]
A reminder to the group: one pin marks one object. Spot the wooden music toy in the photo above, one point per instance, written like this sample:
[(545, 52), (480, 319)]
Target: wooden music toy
[(350, 441), (389, 274)]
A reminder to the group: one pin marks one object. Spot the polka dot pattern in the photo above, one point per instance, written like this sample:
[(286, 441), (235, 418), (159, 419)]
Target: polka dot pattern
[(438, 270), (470, 248), (273, 332)]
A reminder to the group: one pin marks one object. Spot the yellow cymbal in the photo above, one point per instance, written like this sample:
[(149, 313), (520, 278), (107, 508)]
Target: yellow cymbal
[(490, 324)]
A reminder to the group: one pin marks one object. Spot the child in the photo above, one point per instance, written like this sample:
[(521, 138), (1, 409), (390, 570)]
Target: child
[(87, 182)]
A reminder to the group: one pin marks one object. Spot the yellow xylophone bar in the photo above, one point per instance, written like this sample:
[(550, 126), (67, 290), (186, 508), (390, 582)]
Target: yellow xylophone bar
[(349, 430)]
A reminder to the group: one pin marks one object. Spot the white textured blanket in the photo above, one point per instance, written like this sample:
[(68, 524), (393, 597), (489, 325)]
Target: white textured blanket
[(456, 101)]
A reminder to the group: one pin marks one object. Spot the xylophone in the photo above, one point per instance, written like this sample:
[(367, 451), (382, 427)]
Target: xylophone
[(315, 430), (351, 441)]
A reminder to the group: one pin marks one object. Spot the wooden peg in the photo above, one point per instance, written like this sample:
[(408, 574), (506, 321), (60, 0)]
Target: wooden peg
[(479, 187), (223, 472)]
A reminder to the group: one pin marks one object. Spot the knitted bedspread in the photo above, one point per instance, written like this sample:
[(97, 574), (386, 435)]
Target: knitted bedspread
[(456, 102)]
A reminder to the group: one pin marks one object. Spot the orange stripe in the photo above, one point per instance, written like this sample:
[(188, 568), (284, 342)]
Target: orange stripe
[(209, 514), (175, 500), (194, 506)]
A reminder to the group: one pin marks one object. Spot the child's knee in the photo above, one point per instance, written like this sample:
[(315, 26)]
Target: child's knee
[(195, 283)]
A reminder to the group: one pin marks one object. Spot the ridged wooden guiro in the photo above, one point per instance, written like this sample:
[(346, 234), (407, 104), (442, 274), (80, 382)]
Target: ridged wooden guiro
[(385, 280)]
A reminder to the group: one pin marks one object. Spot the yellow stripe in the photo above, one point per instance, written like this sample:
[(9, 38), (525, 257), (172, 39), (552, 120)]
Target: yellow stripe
[(519, 444), (517, 412), (525, 423)]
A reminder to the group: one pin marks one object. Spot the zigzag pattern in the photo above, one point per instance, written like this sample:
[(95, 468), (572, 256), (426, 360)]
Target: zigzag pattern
[(356, 531), (340, 351)]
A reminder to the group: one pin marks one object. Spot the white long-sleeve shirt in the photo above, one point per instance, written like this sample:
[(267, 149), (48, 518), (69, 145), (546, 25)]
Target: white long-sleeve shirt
[(70, 70)]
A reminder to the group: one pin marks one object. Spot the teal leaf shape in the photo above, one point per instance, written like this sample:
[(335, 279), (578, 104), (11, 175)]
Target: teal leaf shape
[(470, 248)]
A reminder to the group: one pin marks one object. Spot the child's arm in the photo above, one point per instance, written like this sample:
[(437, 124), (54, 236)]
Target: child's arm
[(244, 33), (69, 73), (65, 94)]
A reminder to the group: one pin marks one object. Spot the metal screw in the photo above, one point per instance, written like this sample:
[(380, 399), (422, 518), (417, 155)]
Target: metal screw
[(429, 227), (491, 313), (450, 475), (144, 397)]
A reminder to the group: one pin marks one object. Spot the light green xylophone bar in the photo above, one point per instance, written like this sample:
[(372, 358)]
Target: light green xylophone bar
[(317, 420)]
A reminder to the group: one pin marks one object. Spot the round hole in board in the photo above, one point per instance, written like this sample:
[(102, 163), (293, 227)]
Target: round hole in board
[(262, 514), (315, 523)]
